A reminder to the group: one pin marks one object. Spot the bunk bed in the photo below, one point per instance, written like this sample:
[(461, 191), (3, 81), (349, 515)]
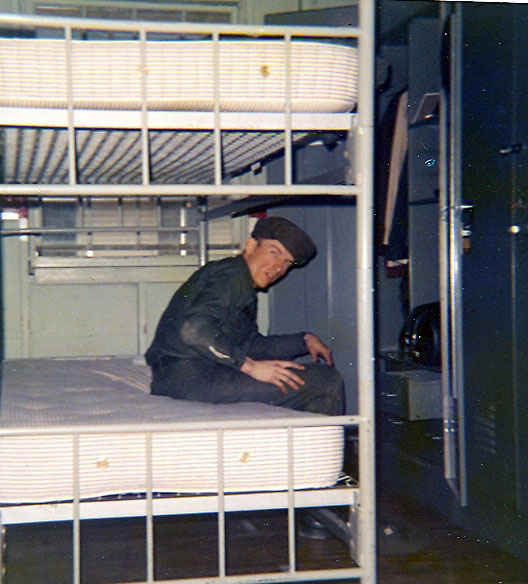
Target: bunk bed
[(173, 110)]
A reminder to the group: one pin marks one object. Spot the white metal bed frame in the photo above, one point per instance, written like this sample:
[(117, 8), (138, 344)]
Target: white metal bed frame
[(361, 500)]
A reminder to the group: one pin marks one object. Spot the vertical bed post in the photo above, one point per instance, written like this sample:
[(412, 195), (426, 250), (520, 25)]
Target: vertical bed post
[(76, 510), (202, 234), (3, 546), (72, 156), (221, 503), (288, 156), (365, 293), (149, 509), (291, 504), (145, 167), (217, 131)]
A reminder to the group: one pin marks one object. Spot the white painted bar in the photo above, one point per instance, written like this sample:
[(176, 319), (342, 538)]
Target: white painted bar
[(365, 295), (168, 120), (177, 505), (268, 578), (250, 30), (297, 422), (160, 190)]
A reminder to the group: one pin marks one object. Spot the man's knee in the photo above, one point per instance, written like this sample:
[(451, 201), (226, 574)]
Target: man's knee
[(335, 392), (326, 386), (323, 377)]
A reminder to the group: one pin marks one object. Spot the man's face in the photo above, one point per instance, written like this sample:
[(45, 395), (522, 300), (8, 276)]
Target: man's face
[(267, 260)]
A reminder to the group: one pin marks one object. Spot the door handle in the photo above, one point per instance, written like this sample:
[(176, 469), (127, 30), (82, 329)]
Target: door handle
[(511, 149), (467, 225)]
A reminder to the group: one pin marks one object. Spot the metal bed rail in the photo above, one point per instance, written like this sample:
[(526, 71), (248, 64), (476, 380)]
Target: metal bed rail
[(286, 122), (150, 506), (112, 190)]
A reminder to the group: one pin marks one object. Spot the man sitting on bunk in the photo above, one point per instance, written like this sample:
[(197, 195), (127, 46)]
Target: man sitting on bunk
[(207, 346)]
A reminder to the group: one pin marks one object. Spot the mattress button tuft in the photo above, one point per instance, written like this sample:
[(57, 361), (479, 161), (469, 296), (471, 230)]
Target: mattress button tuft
[(102, 464)]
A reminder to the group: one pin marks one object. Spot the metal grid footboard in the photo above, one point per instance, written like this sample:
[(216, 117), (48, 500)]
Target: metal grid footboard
[(150, 506)]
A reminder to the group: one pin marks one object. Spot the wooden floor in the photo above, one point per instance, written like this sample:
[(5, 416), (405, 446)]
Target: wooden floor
[(415, 546)]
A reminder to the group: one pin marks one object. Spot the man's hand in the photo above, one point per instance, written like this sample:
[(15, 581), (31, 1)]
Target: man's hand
[(317, 349), (278, 373)]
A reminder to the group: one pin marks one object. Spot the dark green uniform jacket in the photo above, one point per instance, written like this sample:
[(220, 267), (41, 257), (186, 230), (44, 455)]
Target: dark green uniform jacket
[(213, 317)]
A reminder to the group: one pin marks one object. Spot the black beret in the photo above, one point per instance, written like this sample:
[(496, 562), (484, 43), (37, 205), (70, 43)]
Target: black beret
[(293, 238)]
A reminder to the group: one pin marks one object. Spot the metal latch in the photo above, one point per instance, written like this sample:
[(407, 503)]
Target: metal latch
[(467, 226)]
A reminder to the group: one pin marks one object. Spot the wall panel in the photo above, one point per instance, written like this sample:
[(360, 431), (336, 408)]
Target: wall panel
[(83, 320)]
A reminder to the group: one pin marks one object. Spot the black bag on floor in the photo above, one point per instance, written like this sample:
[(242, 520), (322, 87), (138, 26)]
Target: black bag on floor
[(420, 336)]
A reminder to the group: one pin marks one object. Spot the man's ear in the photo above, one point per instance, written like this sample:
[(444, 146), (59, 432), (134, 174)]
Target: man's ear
[(250, 245)]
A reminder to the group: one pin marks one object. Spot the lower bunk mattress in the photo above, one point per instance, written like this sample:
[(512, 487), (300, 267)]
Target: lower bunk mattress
[(60, 395)]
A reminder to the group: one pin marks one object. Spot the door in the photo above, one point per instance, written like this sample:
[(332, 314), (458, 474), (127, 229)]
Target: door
[(486, 214)]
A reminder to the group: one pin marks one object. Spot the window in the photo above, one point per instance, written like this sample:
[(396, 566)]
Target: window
[(92, 227), (121, 231)]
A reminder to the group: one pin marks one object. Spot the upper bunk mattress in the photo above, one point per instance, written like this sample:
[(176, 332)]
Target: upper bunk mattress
[(179, 75), (61, 394)]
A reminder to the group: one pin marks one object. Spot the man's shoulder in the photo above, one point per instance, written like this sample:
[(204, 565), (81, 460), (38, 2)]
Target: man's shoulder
[(227, 266), (215, 277), (231, 273)]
